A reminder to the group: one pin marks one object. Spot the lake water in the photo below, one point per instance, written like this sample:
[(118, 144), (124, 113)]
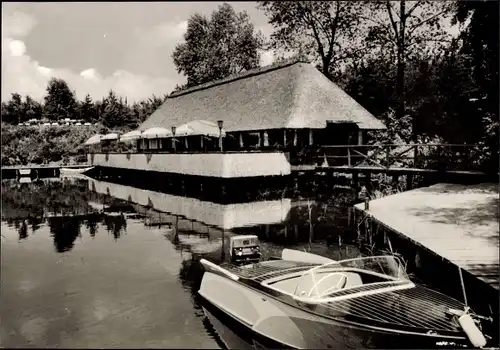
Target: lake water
[(88, 263)]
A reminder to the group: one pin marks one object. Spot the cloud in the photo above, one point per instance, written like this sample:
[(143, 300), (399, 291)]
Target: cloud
[(164, 34), (24, 75), (17, 48)]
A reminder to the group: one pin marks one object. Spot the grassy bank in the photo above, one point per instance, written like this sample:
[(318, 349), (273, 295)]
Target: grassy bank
[(61, 145)]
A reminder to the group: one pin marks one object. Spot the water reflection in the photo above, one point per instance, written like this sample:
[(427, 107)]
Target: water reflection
[(111, 290), (116, 224), (64, 231), (91, 223), (23, 230)]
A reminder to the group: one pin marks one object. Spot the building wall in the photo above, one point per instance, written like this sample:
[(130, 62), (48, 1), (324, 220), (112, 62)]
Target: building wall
[(220, 215), (222, 165)]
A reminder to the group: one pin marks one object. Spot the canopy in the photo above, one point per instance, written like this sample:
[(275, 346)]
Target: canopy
[(199, 127), (93, 140), (111, 136), (131, 136), (156, 132)]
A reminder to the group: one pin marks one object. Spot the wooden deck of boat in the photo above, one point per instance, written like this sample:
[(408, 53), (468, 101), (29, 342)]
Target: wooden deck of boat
[(457, 222)]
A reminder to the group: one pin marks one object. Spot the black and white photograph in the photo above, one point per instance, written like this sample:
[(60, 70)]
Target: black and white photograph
[(240, 175)]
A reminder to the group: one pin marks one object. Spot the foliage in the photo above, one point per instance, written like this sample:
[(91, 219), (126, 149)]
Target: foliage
[(424, 84), (404, 30), (217, 47), (480, 45), (318, 29), (407, 30), (39, 144), (60, 101), (12, 110)]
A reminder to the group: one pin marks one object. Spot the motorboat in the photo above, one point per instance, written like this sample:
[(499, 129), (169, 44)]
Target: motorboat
[(302, 300), (74, 171), (68, 171)]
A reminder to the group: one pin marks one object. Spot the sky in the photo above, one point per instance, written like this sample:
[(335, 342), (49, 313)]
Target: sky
[(95, 47)]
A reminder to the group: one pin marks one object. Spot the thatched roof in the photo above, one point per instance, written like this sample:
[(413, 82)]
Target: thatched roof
[(292, 94)]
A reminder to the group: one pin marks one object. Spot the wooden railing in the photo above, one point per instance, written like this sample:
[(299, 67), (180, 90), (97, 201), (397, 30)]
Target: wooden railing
[(386, 156)]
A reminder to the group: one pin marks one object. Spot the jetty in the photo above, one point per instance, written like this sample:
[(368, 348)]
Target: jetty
[(36, 170), (451, 223)]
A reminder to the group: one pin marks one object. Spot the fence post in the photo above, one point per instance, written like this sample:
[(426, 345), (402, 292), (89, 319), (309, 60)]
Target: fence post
[(349, 156), (438, 155), (415, 156), (387, 156)]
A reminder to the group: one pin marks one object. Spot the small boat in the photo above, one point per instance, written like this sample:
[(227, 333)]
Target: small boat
[(24, 172), (244, 248), (74, 171), (304, 301)]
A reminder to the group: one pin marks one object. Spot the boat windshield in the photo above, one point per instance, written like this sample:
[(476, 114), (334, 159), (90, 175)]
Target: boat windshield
[(327, 280), (387, 265)]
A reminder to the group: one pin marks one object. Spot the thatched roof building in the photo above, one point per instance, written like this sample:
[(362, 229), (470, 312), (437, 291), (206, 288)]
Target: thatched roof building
[(292, 94)]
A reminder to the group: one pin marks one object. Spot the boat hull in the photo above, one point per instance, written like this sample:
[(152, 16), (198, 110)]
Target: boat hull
[(272, 323)]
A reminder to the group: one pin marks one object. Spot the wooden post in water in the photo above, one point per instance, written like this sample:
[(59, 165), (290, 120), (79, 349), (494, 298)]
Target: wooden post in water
[(395, 180), (240, 135), (220, 124), (311, 232), (368, 184), (265, 139), (223, 249), (409, 182)]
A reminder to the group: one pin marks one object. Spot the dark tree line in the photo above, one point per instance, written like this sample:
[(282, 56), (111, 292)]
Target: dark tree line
[(398, 61), (60, 102)]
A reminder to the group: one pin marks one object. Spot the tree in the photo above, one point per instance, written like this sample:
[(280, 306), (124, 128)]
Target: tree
[(87, 110), (112, 112), (217, 47), (323, 29), (60, 101), (408, 30), (12, 109), (31, 109), (480, 43)]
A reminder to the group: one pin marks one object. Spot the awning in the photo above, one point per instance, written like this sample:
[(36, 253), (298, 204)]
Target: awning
[(131, 136), (156, 132), (93, 140), (111, 136), (199, 127)]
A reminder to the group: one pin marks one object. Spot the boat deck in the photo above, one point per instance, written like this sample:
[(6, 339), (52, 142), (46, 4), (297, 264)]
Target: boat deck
[(414, 307), (268, 269), (457, 222)]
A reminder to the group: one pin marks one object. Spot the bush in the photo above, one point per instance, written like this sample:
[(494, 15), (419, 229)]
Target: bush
[(43, 145)]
